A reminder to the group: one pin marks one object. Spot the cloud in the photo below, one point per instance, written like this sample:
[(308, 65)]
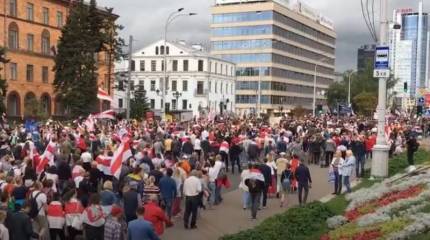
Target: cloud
[(145, 20)]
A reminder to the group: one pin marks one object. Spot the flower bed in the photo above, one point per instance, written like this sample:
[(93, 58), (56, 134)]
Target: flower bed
[(390, 210)]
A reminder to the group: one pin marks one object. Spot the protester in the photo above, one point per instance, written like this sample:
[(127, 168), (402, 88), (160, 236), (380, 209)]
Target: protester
[(94, 219), (192, 189), (115, 228), (155, 215), (256, 186), (286, 178), (139, 228), (348, 167), (168, 191), (336, 164), (304, 180)]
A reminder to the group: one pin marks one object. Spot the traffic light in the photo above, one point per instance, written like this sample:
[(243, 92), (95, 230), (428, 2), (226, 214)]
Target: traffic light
[(419, 110), (405, 87)]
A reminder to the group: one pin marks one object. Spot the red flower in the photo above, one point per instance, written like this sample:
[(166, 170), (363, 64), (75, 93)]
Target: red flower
[(325, 237)]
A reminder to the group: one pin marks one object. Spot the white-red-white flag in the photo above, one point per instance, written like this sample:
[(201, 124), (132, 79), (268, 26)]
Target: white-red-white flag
[(103, 164), (104, 95), (122, 154), (109, 114), (47, 157)]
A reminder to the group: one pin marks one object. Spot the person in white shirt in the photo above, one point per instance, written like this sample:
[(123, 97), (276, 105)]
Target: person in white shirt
[(41, 221), (197, 147), (4, 232), (213, 173), (192, 189), (242, 186)]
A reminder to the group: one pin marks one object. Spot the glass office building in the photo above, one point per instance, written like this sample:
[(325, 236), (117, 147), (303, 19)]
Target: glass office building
[(277, 49)]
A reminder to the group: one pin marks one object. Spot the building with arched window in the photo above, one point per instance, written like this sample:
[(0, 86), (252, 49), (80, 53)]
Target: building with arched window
[(33, 29)]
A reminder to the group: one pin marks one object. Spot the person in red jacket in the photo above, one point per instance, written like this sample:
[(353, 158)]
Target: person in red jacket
[(370, 142), (156, 215)]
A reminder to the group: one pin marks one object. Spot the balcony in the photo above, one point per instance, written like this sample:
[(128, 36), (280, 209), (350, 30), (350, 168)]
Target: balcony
[(201, 93)]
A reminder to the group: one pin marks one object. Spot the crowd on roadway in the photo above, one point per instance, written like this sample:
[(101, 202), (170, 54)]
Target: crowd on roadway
[(131, 180)]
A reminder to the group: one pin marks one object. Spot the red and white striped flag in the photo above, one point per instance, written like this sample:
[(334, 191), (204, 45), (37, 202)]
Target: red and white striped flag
[(122, 154), (47, 157), (103, 95), (103, 164), (109, 114)]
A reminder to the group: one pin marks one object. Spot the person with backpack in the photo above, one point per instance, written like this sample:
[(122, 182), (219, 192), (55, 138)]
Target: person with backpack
[(286, 179), (256, 186), (38, 203)]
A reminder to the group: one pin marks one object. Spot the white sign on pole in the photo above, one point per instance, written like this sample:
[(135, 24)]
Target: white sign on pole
[(382, 62), (381, 73)]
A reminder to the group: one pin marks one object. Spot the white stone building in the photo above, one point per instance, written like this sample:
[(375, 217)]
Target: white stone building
[(196, 82)]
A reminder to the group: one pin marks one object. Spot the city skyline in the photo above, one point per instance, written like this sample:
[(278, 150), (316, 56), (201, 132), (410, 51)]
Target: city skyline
[(349, 38)]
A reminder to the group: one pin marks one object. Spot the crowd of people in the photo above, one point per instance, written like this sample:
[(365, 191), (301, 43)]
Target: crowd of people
[(131, 180)]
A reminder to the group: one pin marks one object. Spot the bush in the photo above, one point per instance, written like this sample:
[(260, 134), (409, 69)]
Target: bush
[(296, 223)]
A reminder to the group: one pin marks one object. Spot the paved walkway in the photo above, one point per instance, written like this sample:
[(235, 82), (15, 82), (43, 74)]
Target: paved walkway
[(229, 217)]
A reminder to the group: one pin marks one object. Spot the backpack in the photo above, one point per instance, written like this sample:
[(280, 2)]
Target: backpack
[(286, 182), (34, 210), (222, 174)]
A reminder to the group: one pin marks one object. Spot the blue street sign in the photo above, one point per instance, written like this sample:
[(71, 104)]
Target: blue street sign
[(382, 58)]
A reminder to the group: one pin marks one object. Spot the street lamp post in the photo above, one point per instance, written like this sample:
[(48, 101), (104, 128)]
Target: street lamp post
[(349, 88), (130, 60), (380, 150), (174, 15)]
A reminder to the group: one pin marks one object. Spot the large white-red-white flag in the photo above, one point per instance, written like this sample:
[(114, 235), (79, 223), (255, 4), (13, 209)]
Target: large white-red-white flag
[(47, 157), (122, 154), (109, 114), (104, 95)]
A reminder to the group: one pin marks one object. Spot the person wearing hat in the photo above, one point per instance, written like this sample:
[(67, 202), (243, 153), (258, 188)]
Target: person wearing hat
[(115, 228)]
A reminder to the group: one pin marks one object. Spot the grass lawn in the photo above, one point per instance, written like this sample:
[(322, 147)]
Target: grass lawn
[(309, 222)]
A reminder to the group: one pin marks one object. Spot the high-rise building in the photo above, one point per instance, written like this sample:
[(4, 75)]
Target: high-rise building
[(410, 45), (366, 57), (278, 47), (30, 33)]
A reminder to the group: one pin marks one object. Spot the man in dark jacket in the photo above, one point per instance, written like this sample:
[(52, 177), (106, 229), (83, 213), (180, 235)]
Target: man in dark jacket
[(412, 147), (235, 151), (168, 191), (303, 177), (256, 187), (187, 147), (282, 145), (267, 173), (20, 225)]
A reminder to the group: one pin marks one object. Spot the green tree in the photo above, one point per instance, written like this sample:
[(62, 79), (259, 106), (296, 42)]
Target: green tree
[(3, 83), (139, 105), (34, 109), (365, 103), (83, 37), (336, 93)]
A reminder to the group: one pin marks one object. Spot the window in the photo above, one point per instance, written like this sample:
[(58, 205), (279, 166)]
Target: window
[(30, 12), (152, 103), (184, 85), (153, 65), (133, 65), (30, 42), (156, 50), (162, 50), (200, 66), (162, 65), (45, 42), (141, 85), (200, 88), (13, 71), (60, 19), (174, 104), (220, 88), (45, 16), (12, 8), (174, 85), (210, 86), (185, 67), (132, 85), (13, 36), (120, 85), (216, 87), (184, 104), (175, 65), (216, 68), (120, 103), (142, 66), (45, 74), (167, 50), (152, 85), (30, 72)]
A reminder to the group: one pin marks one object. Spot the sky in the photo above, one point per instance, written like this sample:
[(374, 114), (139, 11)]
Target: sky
[(145, 20)]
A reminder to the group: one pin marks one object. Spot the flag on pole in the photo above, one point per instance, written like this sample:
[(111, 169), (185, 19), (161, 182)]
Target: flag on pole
[(47, 157), (122, 154), (109, 114), (103, 95)]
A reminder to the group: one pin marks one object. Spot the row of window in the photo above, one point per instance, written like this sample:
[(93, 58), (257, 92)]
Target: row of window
[(303, 28), (302, 40), (30, 9), (281, 73), (268, 43), (242, 17), (241, 31), (247, 58), (280, 100), (160, 50), (300, 64), (173, 85), (14, 41), (13, 73), (275, 86), (269, 15), (241, 44), (155, 66)]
